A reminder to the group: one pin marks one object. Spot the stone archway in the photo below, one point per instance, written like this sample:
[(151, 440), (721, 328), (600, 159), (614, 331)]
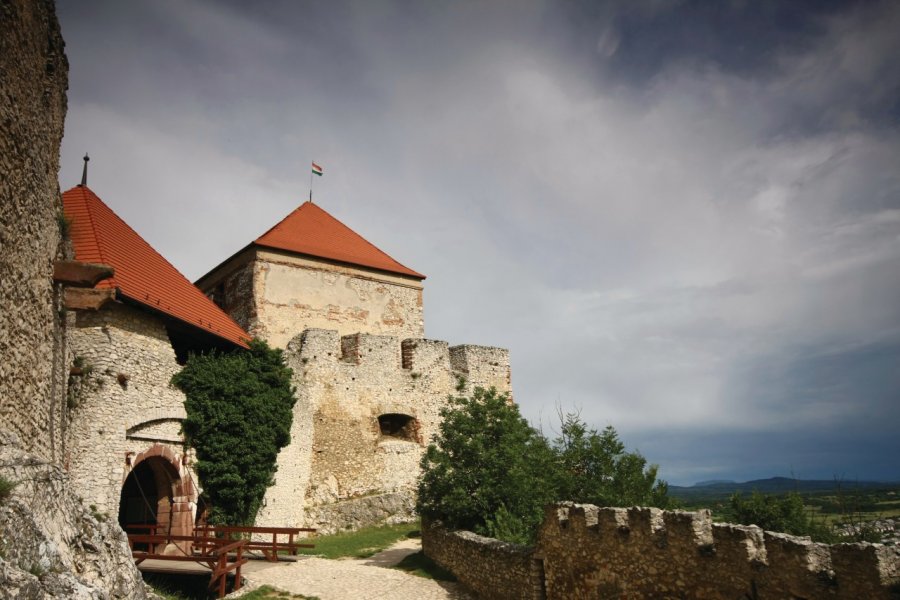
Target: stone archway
[(157, 491)]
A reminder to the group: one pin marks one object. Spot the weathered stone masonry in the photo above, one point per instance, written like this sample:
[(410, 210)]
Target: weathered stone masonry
[(124, 409), (275, 294), (33, 80), (367, 407), (587, 552)]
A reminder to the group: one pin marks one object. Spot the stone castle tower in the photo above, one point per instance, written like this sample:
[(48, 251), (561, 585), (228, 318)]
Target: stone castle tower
[(312, 271), (369, 387)]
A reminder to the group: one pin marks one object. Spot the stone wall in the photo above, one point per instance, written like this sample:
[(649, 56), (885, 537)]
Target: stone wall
[(274, 295), (33, 80), (489, 567), (590, 552), (123, 407), (367, 407)]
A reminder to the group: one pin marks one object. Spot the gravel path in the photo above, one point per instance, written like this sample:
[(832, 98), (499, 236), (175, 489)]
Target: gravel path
[(357, 579)]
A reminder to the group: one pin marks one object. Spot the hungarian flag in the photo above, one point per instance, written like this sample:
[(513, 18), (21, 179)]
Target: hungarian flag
[(317, 169)]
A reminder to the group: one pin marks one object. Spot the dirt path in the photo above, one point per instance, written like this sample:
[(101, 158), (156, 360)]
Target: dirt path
[(356, 579)]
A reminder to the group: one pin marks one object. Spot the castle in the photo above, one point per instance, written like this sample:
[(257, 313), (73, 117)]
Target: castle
[(350, 319)]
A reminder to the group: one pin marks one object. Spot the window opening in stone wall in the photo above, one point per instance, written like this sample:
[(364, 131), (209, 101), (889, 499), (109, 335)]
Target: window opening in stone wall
[(399, 426)]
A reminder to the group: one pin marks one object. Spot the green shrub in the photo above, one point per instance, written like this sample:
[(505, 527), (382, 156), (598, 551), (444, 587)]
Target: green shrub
[(489, 471), (486, 463), (785, 514), (239, 411)]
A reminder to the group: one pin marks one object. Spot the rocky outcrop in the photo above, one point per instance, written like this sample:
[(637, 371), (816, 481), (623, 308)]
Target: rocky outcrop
[(51, 545)]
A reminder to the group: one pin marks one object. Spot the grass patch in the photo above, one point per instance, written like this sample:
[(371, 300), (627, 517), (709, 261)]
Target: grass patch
[(362, 543), (422, 566), (267, 593)]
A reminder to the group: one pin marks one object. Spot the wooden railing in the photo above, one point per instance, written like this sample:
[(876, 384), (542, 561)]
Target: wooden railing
[(270, 549), (211, 545), (213, 552)]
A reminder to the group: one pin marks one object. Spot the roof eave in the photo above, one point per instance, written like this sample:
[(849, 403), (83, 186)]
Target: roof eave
[(408, 273)]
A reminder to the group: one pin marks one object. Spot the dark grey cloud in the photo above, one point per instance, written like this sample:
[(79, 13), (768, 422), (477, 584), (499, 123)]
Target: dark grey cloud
[(683, 218)]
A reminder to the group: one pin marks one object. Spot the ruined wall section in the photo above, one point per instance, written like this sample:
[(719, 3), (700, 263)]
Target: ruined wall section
[(121, 403), (33, 80), (346, 467), (583, 551)]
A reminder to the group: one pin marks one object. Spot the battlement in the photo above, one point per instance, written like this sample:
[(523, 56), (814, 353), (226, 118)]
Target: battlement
[(583, 551), (631, 543), (482, 366)]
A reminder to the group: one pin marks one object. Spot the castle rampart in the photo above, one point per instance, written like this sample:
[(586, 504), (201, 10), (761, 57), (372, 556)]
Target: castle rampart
[(367, 407), (584, 551)]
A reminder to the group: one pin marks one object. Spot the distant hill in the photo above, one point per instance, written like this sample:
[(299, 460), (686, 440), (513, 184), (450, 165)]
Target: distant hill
[(717, 489)]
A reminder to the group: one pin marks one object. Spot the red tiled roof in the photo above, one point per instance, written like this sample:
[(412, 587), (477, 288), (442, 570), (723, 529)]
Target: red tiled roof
[(141, 273), (311, 230)]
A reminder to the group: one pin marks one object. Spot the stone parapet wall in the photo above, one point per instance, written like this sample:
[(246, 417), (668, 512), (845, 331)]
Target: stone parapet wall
[(33, 80), (646, 552), (489, 567), (343, 457), (591, 552)]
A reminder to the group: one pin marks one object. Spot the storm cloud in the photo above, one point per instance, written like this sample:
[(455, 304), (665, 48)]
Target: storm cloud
[(682, 218)]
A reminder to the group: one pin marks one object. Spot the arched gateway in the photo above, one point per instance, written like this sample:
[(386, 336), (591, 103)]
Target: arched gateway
[(158, 491)]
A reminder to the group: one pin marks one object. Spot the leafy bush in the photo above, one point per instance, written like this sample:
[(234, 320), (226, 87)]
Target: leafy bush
[(489, 471), (786, 514), (239, 412), (596, 469)]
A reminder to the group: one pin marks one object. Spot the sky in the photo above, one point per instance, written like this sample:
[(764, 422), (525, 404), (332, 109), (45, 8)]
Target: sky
[(681, 218)]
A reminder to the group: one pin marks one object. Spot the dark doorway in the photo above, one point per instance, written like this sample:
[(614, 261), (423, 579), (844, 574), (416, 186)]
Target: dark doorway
[(399, 426), (147, 497)]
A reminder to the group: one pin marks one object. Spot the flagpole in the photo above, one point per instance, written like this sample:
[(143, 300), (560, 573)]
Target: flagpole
[(310, 184)]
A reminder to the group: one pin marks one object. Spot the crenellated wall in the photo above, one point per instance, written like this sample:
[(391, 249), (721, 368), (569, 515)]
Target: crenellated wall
[(591, 552), (367, 406)]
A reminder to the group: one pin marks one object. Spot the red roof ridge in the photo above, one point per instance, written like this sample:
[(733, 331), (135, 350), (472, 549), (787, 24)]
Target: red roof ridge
[(141, 273), (310, 229)]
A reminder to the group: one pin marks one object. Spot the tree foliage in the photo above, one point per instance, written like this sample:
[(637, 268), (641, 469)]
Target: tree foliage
[(596, 469), (786, 514), (489, 471), (239, 411)]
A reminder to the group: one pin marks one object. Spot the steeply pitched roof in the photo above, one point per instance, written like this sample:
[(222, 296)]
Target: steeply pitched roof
[(310, 230), (141, 273)]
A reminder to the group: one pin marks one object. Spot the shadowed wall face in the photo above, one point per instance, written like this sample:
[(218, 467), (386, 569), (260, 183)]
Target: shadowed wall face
[(33, 82)]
